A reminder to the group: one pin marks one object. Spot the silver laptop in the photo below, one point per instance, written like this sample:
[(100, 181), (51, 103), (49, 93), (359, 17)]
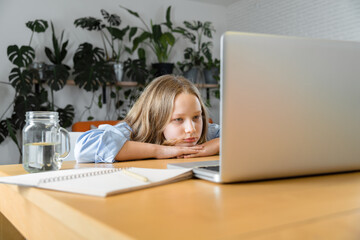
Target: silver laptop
[(289, 107)]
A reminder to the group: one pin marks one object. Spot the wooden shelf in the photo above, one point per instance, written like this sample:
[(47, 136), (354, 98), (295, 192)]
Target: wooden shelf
[(207, 85), (121, 84), (134, 84)]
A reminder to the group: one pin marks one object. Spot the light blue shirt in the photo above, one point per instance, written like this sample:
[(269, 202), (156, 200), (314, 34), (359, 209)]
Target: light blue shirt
[(103, 144)]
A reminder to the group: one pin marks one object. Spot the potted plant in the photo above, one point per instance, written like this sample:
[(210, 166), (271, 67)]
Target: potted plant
[(159, 38), (112, 37), (135, 70), (194, 57), (212, 70)]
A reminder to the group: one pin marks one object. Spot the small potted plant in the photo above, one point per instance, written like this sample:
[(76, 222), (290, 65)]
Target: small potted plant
[(211, 70), (160, 39), (194, 57)]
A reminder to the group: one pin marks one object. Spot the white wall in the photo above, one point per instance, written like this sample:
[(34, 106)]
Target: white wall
[(14, 15), (329, 19)]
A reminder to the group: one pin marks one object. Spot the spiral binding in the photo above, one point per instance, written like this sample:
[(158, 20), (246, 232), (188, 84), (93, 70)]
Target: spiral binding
[(78, 175)]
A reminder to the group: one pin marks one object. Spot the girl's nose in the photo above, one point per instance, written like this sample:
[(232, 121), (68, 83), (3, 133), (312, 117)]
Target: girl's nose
[(189, 127)]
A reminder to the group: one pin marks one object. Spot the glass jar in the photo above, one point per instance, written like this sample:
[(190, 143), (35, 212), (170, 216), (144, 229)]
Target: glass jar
[(43, 142)]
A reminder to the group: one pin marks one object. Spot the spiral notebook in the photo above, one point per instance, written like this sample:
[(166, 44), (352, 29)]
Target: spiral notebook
[(100, 182)]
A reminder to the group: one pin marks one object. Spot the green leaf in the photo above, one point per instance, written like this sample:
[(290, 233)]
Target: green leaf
[(119, 104), (100, 101), (131, 12), (63, 51), (89, 23), (22, 56), (117, 33), (56, 76), (141, 53), (208, 29), (217, 94), (156, 32), (12, 131), (112, 94), (21, 80), (136, 70), (129, 50), (3, 130), (127, 93), (66, 116), (168, 18), (37, 25), (50, 55), (186, 34), (113, 19), (140, 39), (132, 33), (169, 38), (195, 25)]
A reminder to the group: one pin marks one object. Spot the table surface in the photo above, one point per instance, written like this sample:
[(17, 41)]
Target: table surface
[(317, 207)]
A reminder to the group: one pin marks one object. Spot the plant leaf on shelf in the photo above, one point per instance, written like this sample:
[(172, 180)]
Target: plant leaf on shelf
[(90, 69), (57, 76), (21, 80), (22, 56)]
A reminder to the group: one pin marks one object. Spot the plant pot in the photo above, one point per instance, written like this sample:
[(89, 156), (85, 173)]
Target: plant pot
[(117, 75), (162, 68), (195, 75), (39, 70), (210, 75)]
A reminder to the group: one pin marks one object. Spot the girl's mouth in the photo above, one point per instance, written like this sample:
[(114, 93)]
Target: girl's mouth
[(190, 140)]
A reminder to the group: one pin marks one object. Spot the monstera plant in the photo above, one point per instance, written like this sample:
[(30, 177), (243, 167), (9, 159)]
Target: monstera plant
[(111, 34), (27, 97)]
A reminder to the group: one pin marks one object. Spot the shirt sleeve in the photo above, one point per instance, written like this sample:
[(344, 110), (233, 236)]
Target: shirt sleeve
[(103, 144), (213, 131)]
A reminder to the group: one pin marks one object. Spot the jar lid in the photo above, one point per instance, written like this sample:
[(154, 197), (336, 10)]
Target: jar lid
[(42, 115)]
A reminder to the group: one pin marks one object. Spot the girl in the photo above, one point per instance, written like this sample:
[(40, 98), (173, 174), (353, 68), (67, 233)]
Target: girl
[(168, 120)]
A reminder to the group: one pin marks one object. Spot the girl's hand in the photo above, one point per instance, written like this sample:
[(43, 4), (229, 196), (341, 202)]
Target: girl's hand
[(211, 147), (177, 151)]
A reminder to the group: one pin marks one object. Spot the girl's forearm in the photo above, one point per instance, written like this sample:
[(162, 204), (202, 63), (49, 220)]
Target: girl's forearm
[(137, 150)]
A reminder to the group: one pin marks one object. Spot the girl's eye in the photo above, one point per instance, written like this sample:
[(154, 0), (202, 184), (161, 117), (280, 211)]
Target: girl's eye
[(177, 120), (197, 117)]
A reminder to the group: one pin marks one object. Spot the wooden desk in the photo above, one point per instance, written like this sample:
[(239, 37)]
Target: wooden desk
[(321, 207)]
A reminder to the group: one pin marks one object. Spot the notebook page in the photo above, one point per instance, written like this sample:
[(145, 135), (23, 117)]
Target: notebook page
[(101, 184), (32, 179)]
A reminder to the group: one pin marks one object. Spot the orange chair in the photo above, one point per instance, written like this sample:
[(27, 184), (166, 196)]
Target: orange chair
[(85, 126)]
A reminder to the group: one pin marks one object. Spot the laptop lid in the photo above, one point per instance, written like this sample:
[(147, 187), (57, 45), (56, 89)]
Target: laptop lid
[(289, 106)]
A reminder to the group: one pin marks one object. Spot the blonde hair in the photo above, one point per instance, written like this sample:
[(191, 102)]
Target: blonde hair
[(152, 111)]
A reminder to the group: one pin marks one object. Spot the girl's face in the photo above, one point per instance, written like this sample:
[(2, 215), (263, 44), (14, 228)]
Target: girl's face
[(185, 126)]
